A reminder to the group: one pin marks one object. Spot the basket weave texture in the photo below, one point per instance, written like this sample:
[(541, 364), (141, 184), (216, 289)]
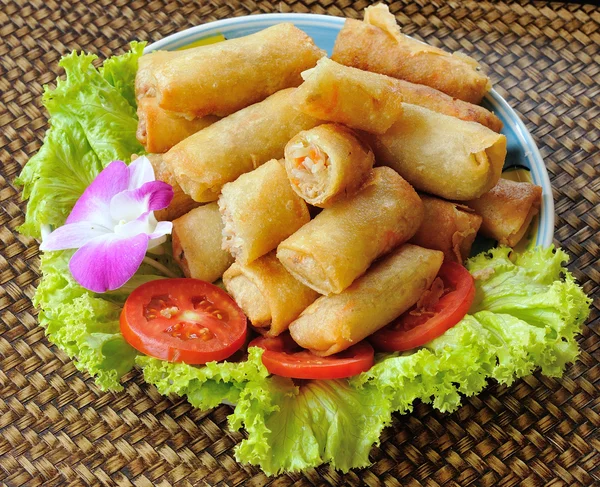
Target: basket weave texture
[(57, 428)]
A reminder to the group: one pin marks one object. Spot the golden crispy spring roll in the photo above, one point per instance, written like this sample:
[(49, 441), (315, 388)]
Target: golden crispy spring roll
[(159, 130), (442, 155), (267, 293), (181, 202), (449, 227), (197, 244), (259, 210), (327, 163), (222, 78), (356, 98), (377, 45), (437, 101), (147, 64), (333, 323), (507, 210), (340, 243), (236, 144), (371, 101)]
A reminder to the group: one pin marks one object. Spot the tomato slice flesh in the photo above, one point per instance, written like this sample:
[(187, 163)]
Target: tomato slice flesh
[(183, 320), (283, 357), (409, 331)]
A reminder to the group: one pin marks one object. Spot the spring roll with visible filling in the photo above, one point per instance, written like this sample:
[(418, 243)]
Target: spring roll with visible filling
[(235, 145), (377, 45), (507, 210), (159, 130), (447, 226), (222, 78), (181, 202), (197, 244), (327, 163), (358, 99), (259, 210), (389, 288), (339, 244), (267, 293), (442, 155)]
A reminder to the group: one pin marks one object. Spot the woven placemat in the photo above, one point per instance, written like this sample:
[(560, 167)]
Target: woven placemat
[(57, 428)]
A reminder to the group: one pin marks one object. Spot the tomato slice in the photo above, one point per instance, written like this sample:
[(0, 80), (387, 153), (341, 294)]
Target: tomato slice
[(183, 320), (282, 356), (411, 329)]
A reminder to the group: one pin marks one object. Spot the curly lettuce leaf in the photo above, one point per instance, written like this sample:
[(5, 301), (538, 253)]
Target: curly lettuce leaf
[(207, 386), (92, 122), (83, 325), (120, 71)]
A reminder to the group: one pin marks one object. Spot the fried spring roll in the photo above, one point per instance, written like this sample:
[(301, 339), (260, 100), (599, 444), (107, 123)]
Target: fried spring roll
[(327, 163), (222, 78), (389, 288), (356, 98), (181, 202), (259, 210), (437, 101), (147, 65), (340, 243), (236, 144), (442, 155), (267, 293), (377, 45), (159, 130), (507, 210), (197, 244), (447, 226)]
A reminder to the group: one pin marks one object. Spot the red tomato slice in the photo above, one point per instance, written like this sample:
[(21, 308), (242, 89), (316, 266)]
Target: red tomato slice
[(183, 320), (282, 356), (409, 331)]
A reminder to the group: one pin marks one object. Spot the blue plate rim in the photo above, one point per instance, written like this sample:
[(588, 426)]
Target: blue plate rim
[(545, 233)]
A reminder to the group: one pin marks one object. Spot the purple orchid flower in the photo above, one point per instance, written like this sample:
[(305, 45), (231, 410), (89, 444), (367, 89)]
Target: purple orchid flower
[(113, 225)]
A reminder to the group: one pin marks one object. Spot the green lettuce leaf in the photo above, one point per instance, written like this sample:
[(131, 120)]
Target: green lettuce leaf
[(207, 386), (92, 122), (83, 325), (120, 71)]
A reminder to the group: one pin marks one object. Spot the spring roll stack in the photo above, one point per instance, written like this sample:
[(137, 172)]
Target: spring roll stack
[(338, 245), (181, 92), (348, 140), (333, 323)]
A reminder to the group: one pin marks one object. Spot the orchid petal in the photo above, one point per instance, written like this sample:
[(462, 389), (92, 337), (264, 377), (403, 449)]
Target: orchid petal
[(94, 204), (130, 205), (144, 224), (161, 229), (140, 172), (155, 243), (108, 262), (73, 236)]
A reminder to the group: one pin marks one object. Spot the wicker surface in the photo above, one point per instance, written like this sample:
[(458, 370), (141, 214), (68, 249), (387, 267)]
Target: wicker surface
[(57, 428)]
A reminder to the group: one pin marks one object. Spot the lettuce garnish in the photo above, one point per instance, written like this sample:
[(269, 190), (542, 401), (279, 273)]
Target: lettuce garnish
[(92, 122), (526, 314)]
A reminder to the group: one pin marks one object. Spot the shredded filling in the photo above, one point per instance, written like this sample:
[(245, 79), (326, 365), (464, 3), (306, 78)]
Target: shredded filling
[(310, 170), (231, 241)]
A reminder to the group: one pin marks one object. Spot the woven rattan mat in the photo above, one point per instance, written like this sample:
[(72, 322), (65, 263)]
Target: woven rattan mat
[(57, 428)]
